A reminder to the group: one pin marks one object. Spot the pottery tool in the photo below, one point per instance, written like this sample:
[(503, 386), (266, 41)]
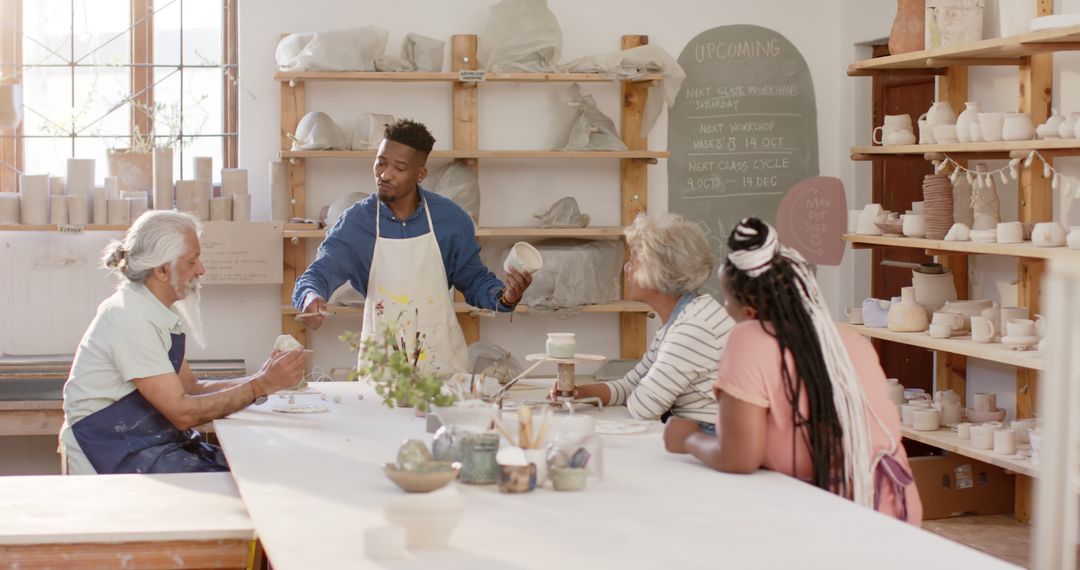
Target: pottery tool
[(525, 426), (323, 313), (541, 434), (499, 395), (502, 429)]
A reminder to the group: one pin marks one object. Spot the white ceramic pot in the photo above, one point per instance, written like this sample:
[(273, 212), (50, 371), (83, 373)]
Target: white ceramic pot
[(926, 420), (892, 124), (867, 218), (1048, 234), (941, 113), (982, 437), (1017, 127), (926, 132), (968, 117), (907, 315), (896, 390), (900, 137), (1068, 126), (914, 225), (1004, 441), (1010, 232), (945, 134), (1073, 238), (428, 518), (967, 309), (1050, 129), (933, 290)]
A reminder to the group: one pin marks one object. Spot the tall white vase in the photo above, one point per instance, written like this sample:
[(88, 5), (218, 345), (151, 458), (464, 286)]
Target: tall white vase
[(967, 118)]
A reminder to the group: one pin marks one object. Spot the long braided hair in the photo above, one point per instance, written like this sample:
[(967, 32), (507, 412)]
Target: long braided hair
[(777, 282)]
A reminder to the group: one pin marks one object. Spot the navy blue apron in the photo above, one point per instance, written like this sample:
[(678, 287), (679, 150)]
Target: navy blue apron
[(132, 436)]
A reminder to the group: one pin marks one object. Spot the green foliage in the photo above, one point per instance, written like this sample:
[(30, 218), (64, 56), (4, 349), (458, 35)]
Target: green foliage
[(389, 368)]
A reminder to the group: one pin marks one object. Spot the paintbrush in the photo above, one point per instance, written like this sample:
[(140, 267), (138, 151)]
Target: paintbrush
[(502, 429), (525, 426), (541, 434)]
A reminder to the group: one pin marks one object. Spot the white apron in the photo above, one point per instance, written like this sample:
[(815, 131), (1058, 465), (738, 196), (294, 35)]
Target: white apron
[(407, 283)]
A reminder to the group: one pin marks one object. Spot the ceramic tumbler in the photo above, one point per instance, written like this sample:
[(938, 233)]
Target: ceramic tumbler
[(985, 402), (478, 466), (982, 437), (926, 420), (1004, 441), (951, 413), (963, 430), (1010, 232), (982, 329)]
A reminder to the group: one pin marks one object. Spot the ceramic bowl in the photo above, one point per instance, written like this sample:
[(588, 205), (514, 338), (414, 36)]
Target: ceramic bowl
[(980, 417), (436, 475), (891, 228), (429, 519)]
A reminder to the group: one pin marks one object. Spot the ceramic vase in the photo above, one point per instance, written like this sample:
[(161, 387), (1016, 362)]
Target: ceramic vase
[(940, 113), (970, 116), (907, 315), (1050, 129), (1017, 127), (907, 33)]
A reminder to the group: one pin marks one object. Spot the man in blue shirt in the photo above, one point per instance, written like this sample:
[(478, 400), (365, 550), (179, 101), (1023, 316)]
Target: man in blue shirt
[(403, 248)]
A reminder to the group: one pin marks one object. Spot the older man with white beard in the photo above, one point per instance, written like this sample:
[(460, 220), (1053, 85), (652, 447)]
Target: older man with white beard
[(132, 402)]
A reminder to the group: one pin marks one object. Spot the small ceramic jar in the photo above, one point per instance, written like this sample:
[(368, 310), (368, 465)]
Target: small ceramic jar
[(561, 345)]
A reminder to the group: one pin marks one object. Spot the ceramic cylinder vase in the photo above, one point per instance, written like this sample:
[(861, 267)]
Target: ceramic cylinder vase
[(9, 208), (34, 199), (163, 179), (907, 315), (78, 208), (119, 212), (203, 192), (203, 166), (100, 208), (967, 118), (138, 205), (80, 176), (233, 181), (221, 209), (280, 203), (58, 213), (241, 207), (478, 458), (57, 186), (186, 196)]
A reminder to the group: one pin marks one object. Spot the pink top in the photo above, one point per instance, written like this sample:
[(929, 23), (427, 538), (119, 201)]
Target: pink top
[(751, 372)]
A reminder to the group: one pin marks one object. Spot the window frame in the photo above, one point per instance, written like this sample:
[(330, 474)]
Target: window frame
[(141, 69)]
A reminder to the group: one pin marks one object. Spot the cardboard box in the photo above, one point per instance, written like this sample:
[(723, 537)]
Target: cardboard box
[(951, 485)]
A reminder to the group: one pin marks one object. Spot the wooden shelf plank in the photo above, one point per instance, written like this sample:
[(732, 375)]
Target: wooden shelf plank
[(421, 76), (475, 154), (987, 52), (599, 232), (993, 352), (947, 439), (1003, 148), (54, 227), (1025, 249), (461, 307)]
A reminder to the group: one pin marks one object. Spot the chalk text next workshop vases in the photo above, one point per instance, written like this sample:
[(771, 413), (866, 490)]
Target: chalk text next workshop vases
[(968, 117), (908, 33), (907, 315)]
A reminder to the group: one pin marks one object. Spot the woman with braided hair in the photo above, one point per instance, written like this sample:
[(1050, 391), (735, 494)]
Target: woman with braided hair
[(821, 411)]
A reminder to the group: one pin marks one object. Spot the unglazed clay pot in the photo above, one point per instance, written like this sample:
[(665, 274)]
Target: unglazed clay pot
[(907, 315), (908, 30), (933, 291)]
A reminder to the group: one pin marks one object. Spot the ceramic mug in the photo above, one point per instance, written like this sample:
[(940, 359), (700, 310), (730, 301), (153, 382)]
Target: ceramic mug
[(951, 412), (963, 430), (1004, 441), (982, 436), (926, 132), (892, 124), (954, 320), (1010, 232), (914, 225), (940, 330), (982, 329), (854, 315), (523, 258), (1020, 327)]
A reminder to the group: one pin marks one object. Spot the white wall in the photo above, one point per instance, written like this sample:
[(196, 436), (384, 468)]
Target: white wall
[(512, 116)]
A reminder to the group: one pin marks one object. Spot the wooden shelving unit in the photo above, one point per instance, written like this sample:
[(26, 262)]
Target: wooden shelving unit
[(993, 352), (985, 150), (938, 247), (476, 154), (465, 98), (453, 77), (947, 439), (54, 228), (1032, 55), (1012, 50), (465, 309)]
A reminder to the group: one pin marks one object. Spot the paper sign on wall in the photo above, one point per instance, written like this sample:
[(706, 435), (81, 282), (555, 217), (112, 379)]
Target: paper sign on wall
[(241, 253), (812, 217)]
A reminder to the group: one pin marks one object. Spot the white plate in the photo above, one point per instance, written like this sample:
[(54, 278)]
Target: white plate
[(621, 428), (299, 408)]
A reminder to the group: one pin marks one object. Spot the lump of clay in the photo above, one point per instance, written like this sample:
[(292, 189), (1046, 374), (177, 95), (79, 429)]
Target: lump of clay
[(286, 342), (412, 455), (563, 214)]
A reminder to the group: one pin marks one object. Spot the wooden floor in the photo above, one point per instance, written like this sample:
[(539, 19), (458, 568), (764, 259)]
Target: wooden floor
[(996, 535)]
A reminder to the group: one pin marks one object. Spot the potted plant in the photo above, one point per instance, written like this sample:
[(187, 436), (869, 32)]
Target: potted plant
[(394, 372)]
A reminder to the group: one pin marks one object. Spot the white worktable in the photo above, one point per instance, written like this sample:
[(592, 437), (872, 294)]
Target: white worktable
[(192, 520), (313, 482)]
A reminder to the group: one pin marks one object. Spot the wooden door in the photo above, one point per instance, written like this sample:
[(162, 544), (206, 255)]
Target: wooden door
[(897, 182)]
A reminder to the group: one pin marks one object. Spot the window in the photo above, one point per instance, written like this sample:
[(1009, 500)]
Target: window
[(116, 74)]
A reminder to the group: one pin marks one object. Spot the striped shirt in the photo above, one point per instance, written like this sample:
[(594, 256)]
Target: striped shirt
[(678, 371)]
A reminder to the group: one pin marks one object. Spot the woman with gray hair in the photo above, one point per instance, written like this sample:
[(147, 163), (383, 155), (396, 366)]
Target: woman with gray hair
[(670, 259)]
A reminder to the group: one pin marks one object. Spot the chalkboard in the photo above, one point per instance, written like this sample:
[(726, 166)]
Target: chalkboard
[(742, 131)]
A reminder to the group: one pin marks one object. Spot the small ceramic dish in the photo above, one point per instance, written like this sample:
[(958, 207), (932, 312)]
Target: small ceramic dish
[(435, 475), (605, 427), (299, 408), (982, 417), (891, 228)]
